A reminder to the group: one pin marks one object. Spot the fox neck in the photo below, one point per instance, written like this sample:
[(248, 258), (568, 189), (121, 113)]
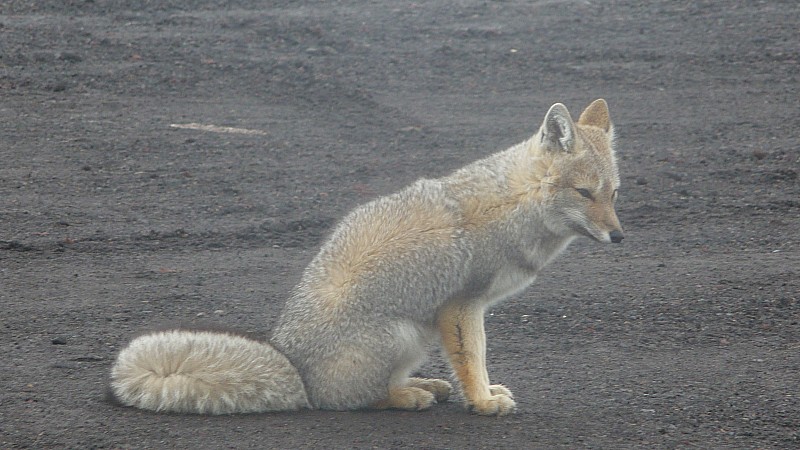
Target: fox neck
[(492, 190)]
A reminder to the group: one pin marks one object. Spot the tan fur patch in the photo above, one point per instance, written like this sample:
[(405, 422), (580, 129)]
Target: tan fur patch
[(380, 236), (526, 183), (596, 139), (482, 210), (596, 115), (407, 398), (463, 338)]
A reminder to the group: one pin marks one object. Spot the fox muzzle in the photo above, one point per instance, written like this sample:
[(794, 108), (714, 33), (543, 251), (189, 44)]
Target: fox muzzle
[(616, 236)]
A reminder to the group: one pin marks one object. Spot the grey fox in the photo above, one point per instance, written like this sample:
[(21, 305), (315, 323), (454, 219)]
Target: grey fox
[(417, 267)]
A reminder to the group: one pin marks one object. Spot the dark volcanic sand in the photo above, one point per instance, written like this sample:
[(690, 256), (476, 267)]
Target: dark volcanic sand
[(685, 336)]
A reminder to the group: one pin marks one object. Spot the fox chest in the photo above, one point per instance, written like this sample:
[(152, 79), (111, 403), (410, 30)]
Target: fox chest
[(507, 281), (514, 272)]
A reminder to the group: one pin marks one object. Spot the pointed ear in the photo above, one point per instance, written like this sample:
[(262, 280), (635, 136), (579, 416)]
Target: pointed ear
[(596, 115), (558, 131)]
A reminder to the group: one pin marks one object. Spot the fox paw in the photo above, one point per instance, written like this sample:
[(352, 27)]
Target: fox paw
[(407, 398), (497, 389), (499, 404), (439, 388)]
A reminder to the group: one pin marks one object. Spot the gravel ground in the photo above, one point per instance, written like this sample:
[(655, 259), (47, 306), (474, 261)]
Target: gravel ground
[(117, 213)]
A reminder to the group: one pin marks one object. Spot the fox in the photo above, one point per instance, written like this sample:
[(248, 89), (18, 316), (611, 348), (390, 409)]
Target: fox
[(398, 276)]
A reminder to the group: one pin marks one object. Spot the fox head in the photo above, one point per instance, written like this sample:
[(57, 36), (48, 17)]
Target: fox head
[(580, 172)]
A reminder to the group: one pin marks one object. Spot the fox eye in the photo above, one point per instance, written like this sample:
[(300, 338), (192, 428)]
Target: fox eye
[(585, 193)]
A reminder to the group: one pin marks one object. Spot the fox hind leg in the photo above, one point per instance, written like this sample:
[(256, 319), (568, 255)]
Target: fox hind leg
[(411, 393), (408, 398), (439, 388), (417, 395)]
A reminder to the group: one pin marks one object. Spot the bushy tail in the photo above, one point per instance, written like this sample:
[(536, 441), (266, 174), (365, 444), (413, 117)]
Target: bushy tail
[(205, 372)]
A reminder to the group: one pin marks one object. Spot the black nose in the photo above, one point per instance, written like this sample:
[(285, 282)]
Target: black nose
[(616, 236)]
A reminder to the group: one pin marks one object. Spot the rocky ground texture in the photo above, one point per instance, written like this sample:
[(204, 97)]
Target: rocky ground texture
[(118, 212)]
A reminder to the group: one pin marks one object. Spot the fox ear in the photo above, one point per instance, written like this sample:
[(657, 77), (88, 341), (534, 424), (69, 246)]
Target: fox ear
[(558, 131), (596, 115)]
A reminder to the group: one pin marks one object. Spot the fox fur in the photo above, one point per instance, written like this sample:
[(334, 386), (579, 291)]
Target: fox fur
[(416, 267)]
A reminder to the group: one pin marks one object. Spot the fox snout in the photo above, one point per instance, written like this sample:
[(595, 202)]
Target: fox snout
[(616, 236)]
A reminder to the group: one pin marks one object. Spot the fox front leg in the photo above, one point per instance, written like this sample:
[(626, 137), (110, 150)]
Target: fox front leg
[(464, 339)]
